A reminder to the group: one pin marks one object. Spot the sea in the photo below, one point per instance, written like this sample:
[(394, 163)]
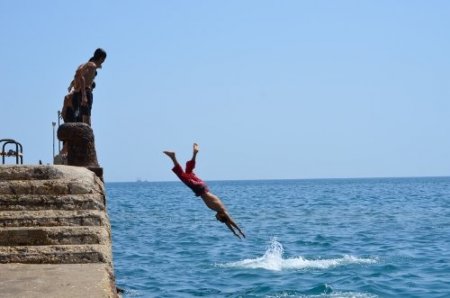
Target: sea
[(380, 237)]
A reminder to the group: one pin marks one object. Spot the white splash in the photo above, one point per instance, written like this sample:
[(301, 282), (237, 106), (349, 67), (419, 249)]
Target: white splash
[(273, 260)]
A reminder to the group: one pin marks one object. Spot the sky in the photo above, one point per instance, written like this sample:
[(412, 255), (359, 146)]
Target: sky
[(269, 89)]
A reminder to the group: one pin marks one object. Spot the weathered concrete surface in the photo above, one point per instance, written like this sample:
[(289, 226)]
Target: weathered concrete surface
[(55, 254), (55, 281), (55, 235), (62, 235), (52, 202), (50, 218)]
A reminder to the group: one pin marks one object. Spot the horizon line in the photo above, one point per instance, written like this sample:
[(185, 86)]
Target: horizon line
[(283, 179)]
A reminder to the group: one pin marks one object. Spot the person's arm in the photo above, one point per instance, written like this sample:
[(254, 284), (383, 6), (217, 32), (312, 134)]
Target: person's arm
[(231, 224), (71, 85), (232, 230)]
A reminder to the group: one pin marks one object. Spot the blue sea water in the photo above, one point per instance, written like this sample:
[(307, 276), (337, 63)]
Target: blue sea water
[(305, 238)]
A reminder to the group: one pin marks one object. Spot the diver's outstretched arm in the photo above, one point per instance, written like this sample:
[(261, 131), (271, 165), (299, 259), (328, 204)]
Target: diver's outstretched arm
[(226, 219), (232, 230), (236, 226)]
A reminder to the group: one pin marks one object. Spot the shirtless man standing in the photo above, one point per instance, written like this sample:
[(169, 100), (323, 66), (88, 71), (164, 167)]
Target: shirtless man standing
[(200, 189), (80, 89)]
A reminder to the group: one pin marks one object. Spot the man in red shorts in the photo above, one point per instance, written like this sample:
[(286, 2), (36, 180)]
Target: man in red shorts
[(199, 187)]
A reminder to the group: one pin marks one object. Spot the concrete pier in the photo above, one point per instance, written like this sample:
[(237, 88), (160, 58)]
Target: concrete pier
[(55, 235)]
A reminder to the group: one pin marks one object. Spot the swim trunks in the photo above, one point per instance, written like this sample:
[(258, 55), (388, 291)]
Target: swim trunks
[(80, 110), (188, 177)]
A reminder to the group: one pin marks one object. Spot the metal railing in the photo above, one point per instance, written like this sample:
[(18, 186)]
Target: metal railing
[(18, 153)]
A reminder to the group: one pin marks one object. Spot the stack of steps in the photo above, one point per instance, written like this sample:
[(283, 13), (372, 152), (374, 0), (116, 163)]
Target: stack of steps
[(55, 216)]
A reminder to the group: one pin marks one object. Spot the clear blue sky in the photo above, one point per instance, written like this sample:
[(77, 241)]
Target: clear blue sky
[(269, 89)]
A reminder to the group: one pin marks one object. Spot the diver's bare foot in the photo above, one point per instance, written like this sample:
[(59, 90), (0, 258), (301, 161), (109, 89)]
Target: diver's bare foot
[(196, 148), (170, 154)]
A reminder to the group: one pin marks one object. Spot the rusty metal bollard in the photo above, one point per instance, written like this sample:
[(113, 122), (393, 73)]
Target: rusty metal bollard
[(79, 139)]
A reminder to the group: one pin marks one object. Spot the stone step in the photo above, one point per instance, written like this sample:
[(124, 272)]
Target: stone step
[(58, 254), (49, 187), (53, 236), (52, 202), (50, 218), (23, 172), (43, 172)]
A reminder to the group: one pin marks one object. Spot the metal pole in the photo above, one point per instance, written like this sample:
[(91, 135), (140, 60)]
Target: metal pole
[(59, 124), (53, 124)]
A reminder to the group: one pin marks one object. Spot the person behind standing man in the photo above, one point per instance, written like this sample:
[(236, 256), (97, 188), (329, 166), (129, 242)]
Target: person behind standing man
[(78, 103)]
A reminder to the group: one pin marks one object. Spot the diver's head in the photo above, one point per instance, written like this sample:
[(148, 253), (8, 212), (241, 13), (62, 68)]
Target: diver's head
[(222, 217)]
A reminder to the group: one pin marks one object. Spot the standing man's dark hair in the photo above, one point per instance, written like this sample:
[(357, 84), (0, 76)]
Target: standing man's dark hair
[(99, 54)]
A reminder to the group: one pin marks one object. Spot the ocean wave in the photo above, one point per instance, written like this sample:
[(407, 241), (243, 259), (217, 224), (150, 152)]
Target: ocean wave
[(273, 260)]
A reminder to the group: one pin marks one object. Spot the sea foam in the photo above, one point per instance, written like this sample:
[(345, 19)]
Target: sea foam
[(273, 260)]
